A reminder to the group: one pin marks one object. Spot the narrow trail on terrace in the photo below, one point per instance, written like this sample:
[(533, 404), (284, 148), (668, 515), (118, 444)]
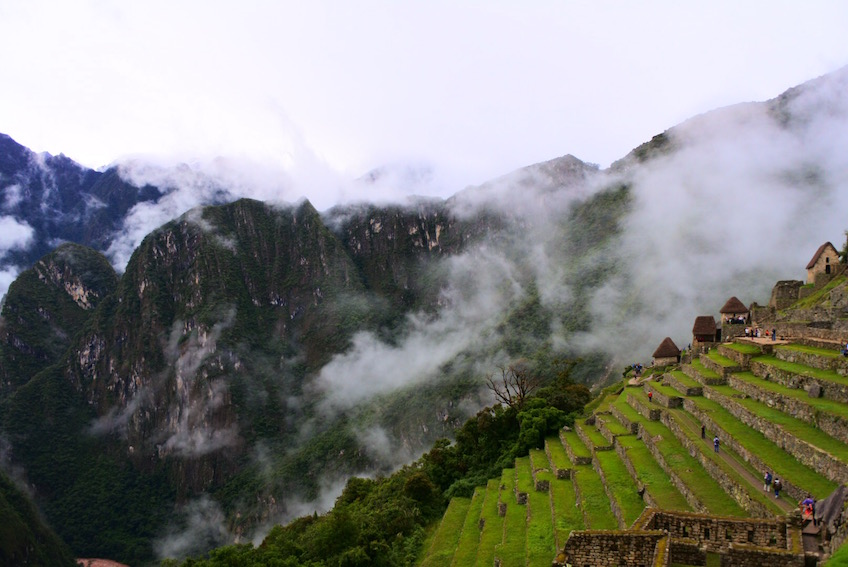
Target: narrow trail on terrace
[(755, 482)]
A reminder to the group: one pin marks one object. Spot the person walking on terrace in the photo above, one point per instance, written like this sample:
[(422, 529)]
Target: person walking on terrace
[(767, 482), (703, 431), (650, 396), (777, 486), (715, 444)]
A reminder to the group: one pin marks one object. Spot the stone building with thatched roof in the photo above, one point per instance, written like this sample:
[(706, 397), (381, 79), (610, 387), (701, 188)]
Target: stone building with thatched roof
[(667, 353), (704, 333), (823, 264)]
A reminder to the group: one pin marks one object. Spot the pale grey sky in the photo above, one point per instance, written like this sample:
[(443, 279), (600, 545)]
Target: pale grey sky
[(472, 88)]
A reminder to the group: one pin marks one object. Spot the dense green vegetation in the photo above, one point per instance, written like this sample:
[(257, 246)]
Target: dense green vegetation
[(384, 521)]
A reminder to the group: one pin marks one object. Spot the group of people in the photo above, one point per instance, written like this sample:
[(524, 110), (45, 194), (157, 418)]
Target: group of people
[(735, 320), (768, 483), (756, 333)]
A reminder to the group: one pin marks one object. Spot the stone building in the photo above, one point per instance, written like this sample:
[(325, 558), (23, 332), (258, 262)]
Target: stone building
[(824, 261), (667, 353)]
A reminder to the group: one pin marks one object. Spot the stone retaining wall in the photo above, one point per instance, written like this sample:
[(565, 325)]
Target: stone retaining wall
[(693, 373), (718, 533), (838, 365), (558, 472), (834, 425), (589, 443), (592, 548), (616, 509), (722, 371), (663, 399), (575, 460), (740, 358), (830, 390), (622, 419), (810, 455), (680, 387), (730, 442), (652, 414), (729, 484), (640, 486), (684, 489)]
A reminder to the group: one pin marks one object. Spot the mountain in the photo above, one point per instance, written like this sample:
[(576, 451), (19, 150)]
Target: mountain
[(252, 356)]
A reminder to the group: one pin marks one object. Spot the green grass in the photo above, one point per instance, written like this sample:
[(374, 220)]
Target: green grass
[(613, 426), (523, 475), (684, 379), (818, 297), (720, 359), (592, 433), (512, 550), (492, 533), (691, 430), (567, 513), (803, 370), (743, 348), (466, 549), (559, 458), (447, 536), (667, 390), (799, 428), (602, 400), (541, 545), (820, 404), (539, 460), (657, 483), (625, 409), (703, 370), (839, 558), (690, 471), (621, 486), (594, 501), (818, 351), (778, 459), (578, 448)]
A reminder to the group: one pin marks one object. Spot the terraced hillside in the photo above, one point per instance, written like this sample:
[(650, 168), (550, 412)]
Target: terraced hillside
[(639, 481)]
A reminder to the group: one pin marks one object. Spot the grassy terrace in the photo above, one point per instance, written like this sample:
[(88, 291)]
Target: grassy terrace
[(789, 467), (576, 445), (596, 509), (567, 513), (523, 475), (622, 406), (800, 429), (466, 549), (684, 379), (820, 404), (558, 456), (802, 370), (621, 485), (512, 550), (829, 353), (667, 390), (719, 359), (688, 469), (492, 533), (613, 426), (446, 538), (593, 434), (691, 428), (539, 460), (541, 545), (703, 370), (743, 348), (816, 297), (651, 475)]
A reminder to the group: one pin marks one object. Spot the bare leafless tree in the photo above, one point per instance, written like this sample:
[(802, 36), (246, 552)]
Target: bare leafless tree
[(513, 384)]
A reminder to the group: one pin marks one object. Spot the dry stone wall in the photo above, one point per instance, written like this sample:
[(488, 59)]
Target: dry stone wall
[(834, 425), (831, 390), (837, 364), (680, 387), (807, 454), (605, 548)]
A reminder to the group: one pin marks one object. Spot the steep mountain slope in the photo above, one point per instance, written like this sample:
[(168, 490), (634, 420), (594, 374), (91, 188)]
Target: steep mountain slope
[(253, 357)]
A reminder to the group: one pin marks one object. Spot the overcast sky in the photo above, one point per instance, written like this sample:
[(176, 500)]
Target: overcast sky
[(472, 88)]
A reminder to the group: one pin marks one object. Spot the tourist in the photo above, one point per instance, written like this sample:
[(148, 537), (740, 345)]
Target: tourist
[(767, 482), (774, 334), (777, 486), (715, 444), (650, 396), (703, 431)]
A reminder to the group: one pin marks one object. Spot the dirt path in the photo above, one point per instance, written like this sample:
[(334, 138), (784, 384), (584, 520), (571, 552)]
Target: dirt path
[(755, 481)]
